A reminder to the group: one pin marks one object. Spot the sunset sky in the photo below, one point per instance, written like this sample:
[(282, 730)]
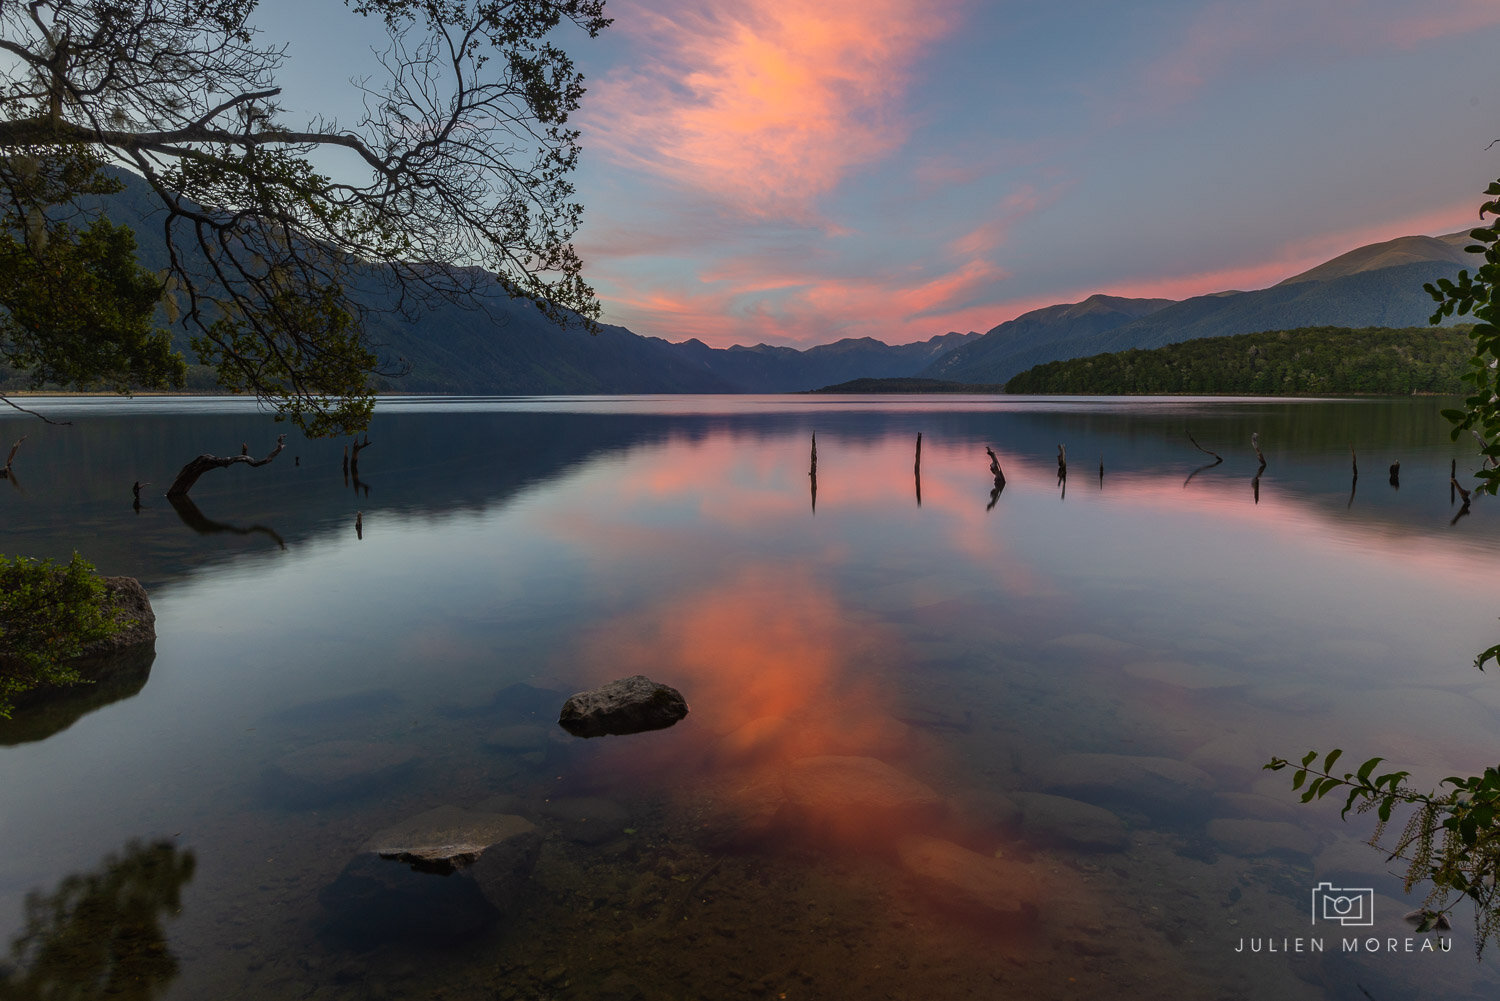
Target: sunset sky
[(796, 171)]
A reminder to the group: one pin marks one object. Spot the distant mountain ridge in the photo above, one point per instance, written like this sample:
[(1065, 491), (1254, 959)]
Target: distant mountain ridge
[(507, 347), (1379, 285)]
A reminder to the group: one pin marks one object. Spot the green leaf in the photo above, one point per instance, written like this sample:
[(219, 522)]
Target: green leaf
[(1333, 756)]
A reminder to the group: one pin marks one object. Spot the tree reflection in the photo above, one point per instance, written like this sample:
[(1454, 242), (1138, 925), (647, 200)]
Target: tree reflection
[(199, 522), (99, 934)]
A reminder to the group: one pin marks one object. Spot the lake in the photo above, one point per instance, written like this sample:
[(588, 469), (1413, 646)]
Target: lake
[(1081, 679)]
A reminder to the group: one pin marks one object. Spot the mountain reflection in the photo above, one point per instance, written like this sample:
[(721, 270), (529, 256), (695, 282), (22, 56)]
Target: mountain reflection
[(99, 934), (447, 459)]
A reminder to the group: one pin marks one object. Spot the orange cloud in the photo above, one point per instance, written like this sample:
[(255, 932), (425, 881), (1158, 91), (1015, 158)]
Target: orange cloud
[(764, 103)]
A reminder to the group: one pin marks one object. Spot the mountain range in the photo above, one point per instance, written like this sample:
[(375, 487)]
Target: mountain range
[(498, 346)]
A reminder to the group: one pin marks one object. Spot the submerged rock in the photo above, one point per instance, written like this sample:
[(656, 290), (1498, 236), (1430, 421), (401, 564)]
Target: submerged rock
[(629, 705), (969, 881), (1078, 825), (1140, 781), (587, 820), (843, 785), (374, 902), (440, 875), (336, 769), (1261, 837)]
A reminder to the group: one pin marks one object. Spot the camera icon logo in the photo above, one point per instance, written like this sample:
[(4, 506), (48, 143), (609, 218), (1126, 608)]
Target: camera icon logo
[(1348, 906)]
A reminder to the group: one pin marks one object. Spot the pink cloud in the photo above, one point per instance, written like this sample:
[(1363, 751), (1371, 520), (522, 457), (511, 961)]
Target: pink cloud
[(766, 104), (1225, 38)]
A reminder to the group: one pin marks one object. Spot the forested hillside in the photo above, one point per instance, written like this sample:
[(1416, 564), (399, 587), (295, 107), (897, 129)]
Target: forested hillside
[(1300, 362)]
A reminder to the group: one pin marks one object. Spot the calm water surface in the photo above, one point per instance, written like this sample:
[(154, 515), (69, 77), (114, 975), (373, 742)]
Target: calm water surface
[(1088, 674)]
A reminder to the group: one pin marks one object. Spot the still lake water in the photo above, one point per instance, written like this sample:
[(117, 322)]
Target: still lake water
[(1176, 624)]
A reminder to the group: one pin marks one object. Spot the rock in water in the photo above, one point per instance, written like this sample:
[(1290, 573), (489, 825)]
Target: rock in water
[(462, 869), (630, 705), (448, 838), (966, 880)]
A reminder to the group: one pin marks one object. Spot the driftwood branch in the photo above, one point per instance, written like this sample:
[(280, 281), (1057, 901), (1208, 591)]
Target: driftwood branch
[(1200, 448), (1255, 444), (203, 463)]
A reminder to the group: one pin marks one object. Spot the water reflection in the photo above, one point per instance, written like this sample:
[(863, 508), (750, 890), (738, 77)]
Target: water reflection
[(99, 934), (195, 519), (966, 666), (40, 714)]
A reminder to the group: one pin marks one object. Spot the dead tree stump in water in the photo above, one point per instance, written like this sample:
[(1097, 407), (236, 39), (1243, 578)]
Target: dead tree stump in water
[(1260, 456), (5, 473), (1396, 474), (203, 463), (354, 456), (1062, 463), (995, 467)]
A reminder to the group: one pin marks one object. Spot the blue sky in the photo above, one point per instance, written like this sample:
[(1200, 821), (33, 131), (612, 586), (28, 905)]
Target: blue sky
[(796, 171)]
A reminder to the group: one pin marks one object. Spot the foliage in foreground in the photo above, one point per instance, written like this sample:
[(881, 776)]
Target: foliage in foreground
[(48, 614), (1451, 838), (1304, 361), (456, 175), (1479, 295)]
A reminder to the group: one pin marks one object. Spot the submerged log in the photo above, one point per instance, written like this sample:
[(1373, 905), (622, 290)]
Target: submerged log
[(1396, 474), (1255, 444), (203, 463), (995, 466)]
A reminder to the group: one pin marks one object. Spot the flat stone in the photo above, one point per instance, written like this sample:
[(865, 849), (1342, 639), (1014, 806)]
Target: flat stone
[(969, 881), (336, 769), (1181, 674), (840, 784), (1123, 778), (1261, 837), (629, 705), (448, 838), (1077, 825)]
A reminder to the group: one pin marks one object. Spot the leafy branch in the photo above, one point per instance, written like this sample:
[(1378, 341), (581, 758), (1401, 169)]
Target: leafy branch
[(1451, 838)]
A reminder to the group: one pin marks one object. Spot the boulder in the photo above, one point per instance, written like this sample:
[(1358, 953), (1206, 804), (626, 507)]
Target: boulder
[(133, 613), (968, 881), (448, 838), (629, 705), (462, 869)]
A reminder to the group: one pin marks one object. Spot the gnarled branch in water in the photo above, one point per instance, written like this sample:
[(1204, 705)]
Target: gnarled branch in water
[(204, 463), (1200, 448)]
